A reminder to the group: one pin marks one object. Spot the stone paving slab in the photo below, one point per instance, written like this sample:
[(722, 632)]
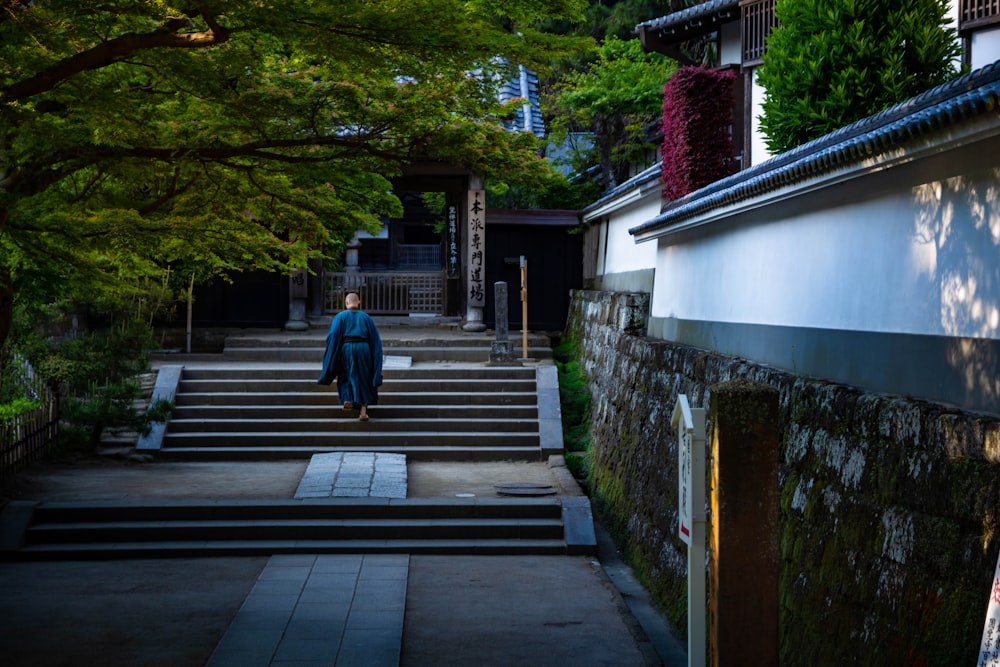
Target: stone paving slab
[(354, 475), (334, 610)]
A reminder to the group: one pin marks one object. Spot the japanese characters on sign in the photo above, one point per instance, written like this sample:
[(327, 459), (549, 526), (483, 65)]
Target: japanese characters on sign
[(452, 241), (298, 289), (685, 431), (476, 248), (989, 649), (690, 425)]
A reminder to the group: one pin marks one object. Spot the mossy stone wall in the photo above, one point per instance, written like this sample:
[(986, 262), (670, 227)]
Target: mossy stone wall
[(888, 506)]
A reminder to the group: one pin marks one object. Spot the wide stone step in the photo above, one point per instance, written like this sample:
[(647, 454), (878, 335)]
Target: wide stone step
[(304, 354), (334, 440), (329, 398), (229, 548), (278, 385), (479, 413), (337, 508), (293, 372), (294, 529), (345, 422), (413, 452), (317, 340)]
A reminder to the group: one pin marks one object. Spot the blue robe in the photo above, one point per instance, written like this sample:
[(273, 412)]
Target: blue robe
[(356, 366)]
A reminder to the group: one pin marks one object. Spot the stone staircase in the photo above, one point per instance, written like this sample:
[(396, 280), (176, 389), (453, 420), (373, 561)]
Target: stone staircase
[(441, 413), (102, 530), (261, 401)]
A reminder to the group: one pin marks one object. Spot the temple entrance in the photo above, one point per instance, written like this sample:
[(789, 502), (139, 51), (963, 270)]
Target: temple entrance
[(398, 271), (389, 292)]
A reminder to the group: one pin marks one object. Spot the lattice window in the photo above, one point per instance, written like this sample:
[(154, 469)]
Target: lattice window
[(975, 13), (757, 20)]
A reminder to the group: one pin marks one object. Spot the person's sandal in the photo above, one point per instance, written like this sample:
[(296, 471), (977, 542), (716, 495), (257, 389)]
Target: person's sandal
[(348, 405), (363, 418)]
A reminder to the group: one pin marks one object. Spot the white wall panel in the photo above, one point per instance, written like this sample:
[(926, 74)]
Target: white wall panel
[(923, 260)]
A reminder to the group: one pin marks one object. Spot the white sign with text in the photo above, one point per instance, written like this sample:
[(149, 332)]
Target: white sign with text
[(690, 425), (989, 649)]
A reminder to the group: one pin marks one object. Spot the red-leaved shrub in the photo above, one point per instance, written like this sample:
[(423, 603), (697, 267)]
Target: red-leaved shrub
[(697, 130)]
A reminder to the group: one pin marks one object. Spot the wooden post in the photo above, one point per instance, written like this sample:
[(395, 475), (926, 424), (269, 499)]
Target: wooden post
[(524, 307), (743, 541)]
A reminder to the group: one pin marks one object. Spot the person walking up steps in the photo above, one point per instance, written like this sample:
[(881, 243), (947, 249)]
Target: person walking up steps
[(353, 357)]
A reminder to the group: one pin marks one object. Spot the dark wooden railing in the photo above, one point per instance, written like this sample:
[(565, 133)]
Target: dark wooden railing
[(388, 293), (975, 13), (758, 20), (27, 437)]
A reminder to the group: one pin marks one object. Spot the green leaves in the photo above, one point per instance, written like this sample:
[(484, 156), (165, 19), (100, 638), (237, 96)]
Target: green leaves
[(833, 62), (619, 95), (140, 136)]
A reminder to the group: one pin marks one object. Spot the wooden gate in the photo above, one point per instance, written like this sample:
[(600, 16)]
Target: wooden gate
[(389, 293)]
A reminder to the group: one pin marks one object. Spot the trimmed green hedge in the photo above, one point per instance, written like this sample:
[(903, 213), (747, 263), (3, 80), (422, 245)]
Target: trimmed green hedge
[(833, 62)]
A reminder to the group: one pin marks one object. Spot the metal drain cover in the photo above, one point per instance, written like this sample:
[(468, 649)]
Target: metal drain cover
[(525, 489)]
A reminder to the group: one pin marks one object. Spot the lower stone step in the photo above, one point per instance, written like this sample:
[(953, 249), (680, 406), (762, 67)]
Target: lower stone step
[(346, 422), (186, 549), (297, 530), (412, 452), (329, 398), (333, 440), (300, 355)]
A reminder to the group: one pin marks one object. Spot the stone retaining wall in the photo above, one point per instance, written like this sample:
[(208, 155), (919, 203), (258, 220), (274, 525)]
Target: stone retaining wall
[(889, 506)]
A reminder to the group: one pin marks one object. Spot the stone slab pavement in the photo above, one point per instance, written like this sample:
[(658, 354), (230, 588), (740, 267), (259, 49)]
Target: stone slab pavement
[(454, 610)]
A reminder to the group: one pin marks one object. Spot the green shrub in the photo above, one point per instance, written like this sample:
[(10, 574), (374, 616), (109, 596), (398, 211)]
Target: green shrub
[(574, 399), (17, 407), (95, 367), (833, 62)]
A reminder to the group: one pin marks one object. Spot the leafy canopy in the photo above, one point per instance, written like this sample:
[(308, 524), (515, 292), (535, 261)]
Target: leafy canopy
[(833, 62), (218, 136), (619, 96)]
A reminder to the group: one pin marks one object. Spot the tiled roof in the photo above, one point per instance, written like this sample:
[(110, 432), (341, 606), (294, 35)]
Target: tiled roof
[(961, 100), (640, 179), (682, 21)]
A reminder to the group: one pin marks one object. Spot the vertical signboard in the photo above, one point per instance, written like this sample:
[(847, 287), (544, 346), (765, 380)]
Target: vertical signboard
[(690, 425), (452, 240), (476, 245)]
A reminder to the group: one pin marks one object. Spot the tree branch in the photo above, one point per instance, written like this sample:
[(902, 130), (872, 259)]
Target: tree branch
[(114, 50)]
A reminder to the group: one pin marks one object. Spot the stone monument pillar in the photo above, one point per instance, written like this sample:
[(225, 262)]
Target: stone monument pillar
[(298, 291), (317, 287), (351, 262), (475, 256), (501, 349)]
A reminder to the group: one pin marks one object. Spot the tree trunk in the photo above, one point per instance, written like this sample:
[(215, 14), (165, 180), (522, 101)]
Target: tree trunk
[(609, 130)]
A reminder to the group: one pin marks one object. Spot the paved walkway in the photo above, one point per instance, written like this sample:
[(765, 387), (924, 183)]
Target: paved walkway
[(337, 610), (354, 475), (428, 611)]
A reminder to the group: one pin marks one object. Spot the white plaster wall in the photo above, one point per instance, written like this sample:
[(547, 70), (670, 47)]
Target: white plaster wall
[(985, 47), (730, 49), (918, 259), (620, 252), (758, 149)]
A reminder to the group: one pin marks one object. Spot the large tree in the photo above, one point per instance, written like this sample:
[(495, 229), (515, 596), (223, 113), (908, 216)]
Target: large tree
[(214, 136), (832, 62), (620, 99)]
